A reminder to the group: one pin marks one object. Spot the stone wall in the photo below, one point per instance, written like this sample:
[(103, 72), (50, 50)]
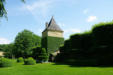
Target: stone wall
[(52, 33), (1, 53)]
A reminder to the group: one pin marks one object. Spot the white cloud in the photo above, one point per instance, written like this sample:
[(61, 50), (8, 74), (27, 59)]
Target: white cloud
[(85, 11), (91, 18), (39, 7), (4, 41)]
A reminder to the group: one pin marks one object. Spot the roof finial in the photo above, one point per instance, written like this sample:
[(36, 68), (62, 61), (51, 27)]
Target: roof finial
[(46, 24), (52, 16)]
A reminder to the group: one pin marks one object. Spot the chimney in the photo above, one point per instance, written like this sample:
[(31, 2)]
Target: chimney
[(46, 24)]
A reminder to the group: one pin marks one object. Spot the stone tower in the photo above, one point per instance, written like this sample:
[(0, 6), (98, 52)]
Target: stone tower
[(52, 37)]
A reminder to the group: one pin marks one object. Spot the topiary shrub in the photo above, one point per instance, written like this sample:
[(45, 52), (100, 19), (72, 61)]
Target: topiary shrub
[(20, 59), (4, 62), (43, 56), (29, 61)]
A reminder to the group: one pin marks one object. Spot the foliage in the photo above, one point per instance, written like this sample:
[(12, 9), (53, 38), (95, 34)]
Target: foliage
[(43, 56), (36, 51), (40, 54), (102, 43), (3, 12), (24, 42), (8, 50), (94, 47), (4, 62), (29, 61), (20, 59), (52, 44), (3, 47), (23, 1), (102, 24)]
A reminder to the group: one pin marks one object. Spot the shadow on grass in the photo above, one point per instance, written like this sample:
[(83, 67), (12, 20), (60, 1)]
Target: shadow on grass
[(76, 64)]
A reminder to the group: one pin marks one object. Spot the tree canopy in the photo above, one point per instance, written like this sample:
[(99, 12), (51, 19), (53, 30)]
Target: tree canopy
[(24, 42)]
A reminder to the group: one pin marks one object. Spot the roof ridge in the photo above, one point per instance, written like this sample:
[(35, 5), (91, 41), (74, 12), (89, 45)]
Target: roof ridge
[(53, 25)]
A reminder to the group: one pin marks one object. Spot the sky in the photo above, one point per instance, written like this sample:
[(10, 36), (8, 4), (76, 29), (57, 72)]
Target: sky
[(73, 16)]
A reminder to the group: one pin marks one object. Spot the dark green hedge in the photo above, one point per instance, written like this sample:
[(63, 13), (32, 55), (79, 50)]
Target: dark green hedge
[(52, 44), (94, 47)]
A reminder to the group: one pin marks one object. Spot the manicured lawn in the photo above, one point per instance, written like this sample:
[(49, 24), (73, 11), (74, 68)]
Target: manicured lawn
[(52, 69)]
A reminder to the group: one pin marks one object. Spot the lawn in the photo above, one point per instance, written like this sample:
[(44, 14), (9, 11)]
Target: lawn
[(52, 69)]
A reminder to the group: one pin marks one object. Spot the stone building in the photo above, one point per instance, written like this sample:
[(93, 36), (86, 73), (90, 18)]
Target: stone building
[(1, 54), (52, 37)]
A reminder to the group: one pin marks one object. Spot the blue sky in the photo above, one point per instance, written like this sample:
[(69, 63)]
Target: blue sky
[(73, 16)]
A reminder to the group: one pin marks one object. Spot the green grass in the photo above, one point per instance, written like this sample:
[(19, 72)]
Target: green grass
[(52, 69)]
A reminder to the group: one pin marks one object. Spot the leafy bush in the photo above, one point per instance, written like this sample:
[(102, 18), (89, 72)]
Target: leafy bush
[(4, 62), (30, 61), (43, 56), (36, 51), (20, 59), (40, 54)]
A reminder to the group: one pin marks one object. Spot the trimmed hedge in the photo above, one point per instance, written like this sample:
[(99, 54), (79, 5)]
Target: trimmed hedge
[(20, 59), (30, 61), (52, 44), (4, 62), (94, 47)]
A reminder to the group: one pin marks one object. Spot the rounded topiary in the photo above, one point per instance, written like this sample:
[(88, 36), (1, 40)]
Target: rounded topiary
[(4, 62), (29, 61), (20, 59)]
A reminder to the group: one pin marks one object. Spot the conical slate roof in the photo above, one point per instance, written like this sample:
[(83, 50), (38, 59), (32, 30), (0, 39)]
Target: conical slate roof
[(53, 26)]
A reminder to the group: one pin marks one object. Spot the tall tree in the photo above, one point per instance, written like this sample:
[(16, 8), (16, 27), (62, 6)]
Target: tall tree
[(24, 42)]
